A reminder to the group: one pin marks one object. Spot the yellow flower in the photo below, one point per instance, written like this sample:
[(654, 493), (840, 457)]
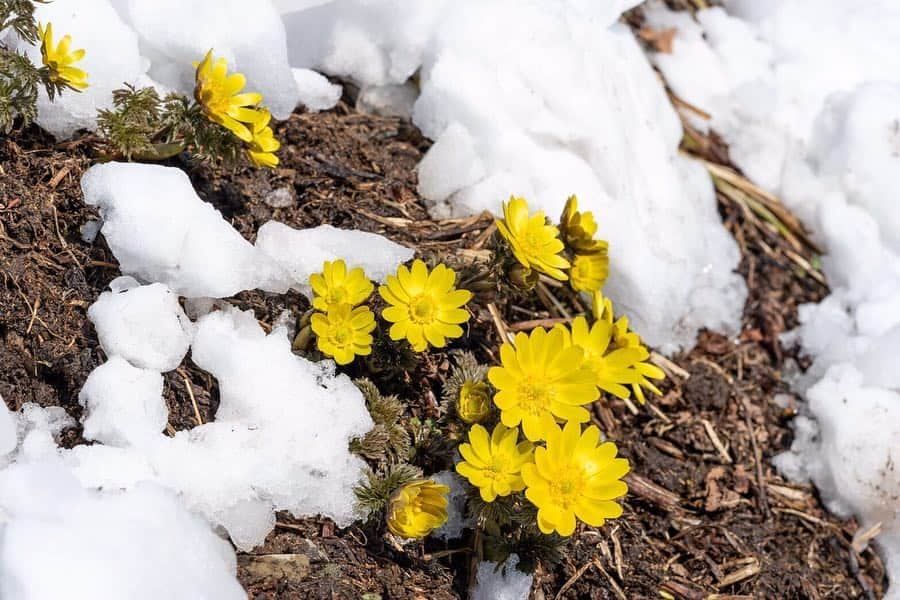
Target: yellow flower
[(623, 337), (344, 332), (542, 377), (534, 243), (263, 145), (335, 285), (589, 271), (575, 476), (578, 229), (217, 93), (494, 464), (424, 308), (612, 369), (59, 60), (417, 508), (473, 404)]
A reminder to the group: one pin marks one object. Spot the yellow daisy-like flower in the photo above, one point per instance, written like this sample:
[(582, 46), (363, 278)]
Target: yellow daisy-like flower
[(613, 370), (474, 402), (578, 229), (575, 476), (494, 465), (623, 337), (218, 94), (425, 308), (589, 272), (535, 244), (417, 508), (60, 58), (542, 378), (335, 285), (344, 332), (263, 145)]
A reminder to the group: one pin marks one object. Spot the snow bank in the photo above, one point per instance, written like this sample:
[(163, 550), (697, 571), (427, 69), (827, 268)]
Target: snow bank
[(111, 59), (145, 325), (107, 545), (140, 544), (817, 123), (301, 252), (174, 34), (545, 100), (282, 432), (155, 42), (161, 231)]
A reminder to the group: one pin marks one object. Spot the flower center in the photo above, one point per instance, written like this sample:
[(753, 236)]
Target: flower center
[(531, 242), (497, 469), (567, 487), (337, 296), (421, 309), (342, 336), (213, 96), (535, 397)]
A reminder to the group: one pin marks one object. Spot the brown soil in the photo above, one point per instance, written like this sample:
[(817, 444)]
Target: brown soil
[(707, 516)]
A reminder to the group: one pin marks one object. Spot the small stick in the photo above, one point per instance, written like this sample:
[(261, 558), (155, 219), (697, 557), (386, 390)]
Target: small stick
[(190, 391), (714, 438), (571, 581), (757, 458), (499, 325), (541, 286), (529, 325), (612, 582), (667, 365)]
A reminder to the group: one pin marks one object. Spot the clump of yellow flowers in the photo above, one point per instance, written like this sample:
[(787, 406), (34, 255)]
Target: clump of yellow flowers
[(567, 253), (59, 59), (547, 379), (222, 101), (424, 308), (343, 329)]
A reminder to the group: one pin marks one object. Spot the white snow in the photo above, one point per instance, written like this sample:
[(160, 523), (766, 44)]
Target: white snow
[(816, 122), (145, 325), (316, 92), (544, 100), (111, 59), (174, 34), (283, 428), (494, 582), (62, 541), (123, 404), (301, 252), (161, 231)]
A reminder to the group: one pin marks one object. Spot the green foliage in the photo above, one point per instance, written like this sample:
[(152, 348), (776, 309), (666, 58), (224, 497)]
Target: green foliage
[(388, 441), (143, 126), (18, 15), (19, 78)]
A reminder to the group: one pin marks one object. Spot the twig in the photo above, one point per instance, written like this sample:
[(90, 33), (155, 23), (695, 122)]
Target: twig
[(571, 581), (499, 325), (190, 391), (714, 438), (652, 492), (560, 309), (757, 458), (612, 582), (668, 366), (529, 325)]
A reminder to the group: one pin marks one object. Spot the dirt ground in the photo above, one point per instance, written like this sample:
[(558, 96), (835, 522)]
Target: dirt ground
[(707, 515)]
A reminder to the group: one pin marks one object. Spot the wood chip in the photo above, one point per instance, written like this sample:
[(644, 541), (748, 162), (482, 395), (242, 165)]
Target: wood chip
[(747, 571), (714, 438)]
